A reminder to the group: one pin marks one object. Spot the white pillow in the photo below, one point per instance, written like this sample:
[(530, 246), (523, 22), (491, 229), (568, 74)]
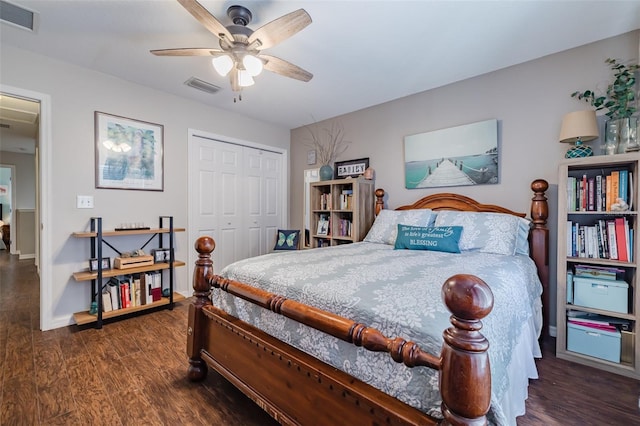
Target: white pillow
[(385, 227), (498, 233)]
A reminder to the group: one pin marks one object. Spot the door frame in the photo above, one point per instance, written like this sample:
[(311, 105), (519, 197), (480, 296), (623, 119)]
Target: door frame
[(43, 199), (192, 175)]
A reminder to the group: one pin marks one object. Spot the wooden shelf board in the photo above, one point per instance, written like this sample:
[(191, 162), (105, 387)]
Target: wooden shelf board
[(121, 233), (84, 317), (88, 276)]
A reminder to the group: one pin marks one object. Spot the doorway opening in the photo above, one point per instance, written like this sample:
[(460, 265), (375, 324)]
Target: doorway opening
[(22, 109)]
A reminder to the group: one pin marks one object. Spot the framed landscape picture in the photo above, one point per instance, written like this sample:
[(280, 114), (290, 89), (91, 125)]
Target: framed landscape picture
[(457, 156), (129, 153)]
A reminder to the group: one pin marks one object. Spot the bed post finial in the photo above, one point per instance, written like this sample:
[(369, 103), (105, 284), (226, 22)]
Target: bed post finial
[(204, 268), (379, 200), (465, 374), (539, 244), (201, 290)]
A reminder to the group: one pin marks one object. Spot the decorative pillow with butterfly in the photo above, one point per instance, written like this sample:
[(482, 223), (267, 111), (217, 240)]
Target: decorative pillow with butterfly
[(287, 239)]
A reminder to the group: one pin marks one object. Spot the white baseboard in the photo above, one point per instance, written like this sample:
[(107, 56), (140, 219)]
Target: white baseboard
[(553, 331), (27, 256)]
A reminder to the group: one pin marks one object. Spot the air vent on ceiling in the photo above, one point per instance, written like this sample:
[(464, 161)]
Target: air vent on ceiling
[(18, 16), (196, 83)]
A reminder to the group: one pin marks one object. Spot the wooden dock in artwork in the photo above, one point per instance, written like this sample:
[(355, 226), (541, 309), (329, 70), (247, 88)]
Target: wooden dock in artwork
[(446, 174)]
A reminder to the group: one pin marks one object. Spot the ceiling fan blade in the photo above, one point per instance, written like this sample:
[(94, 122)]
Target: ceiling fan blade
[(187, 52), (279, 29), (287, 69), (207, 19)]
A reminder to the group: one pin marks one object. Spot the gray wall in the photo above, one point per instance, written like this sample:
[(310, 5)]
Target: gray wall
[(528, 100), (25, 179)]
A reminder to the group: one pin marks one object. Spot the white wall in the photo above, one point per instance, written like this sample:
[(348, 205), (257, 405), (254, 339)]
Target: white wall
[(25, 179), (528, 100), (75, 94)]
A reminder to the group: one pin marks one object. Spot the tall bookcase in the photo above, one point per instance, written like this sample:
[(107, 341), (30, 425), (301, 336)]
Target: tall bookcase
[(97, 277), (342, 211), (593, 280)]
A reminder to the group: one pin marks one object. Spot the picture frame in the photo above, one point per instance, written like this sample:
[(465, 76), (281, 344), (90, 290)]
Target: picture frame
[(350, 168), (129, 153), (93, 264), (456, 156), (161, 255), (323, 226), (311, 157)]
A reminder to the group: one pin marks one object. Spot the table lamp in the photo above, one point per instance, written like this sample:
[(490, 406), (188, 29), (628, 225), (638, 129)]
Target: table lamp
[(578, 127)]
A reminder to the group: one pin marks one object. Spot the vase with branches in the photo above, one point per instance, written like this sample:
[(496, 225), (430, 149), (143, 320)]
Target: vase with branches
[(329, 143), (620, 103)]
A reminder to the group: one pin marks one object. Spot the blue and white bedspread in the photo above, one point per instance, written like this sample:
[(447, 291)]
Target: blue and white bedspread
[(398, 292)]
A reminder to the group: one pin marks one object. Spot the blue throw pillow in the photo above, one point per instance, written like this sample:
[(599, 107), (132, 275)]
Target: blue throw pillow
[(287, 239), (435, 238)]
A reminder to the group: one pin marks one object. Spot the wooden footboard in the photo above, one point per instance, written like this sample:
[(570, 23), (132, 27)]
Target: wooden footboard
[(296, 388)]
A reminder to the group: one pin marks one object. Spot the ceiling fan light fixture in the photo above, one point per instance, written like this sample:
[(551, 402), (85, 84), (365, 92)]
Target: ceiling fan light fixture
[(253, 65), (245, 79), (222, 64)]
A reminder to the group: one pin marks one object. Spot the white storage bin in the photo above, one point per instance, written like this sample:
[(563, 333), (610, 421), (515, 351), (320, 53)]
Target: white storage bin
[(594, 342), (609, 295)]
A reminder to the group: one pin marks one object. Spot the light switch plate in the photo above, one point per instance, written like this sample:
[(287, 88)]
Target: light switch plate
[(84, 201)]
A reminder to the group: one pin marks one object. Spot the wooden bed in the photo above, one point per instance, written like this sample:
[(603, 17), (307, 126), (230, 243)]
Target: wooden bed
[(296, 388)]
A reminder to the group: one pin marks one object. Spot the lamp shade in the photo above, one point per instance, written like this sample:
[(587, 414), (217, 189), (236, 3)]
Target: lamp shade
[(579, 126), (222, 64), (252, 64)]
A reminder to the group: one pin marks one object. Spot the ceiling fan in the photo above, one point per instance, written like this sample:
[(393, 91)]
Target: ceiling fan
[(240, 54)]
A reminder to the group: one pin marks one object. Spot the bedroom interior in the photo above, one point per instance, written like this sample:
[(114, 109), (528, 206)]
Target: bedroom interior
[(511, 94)]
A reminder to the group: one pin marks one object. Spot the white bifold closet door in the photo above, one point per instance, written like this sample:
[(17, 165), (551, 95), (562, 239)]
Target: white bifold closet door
[(239, 201)]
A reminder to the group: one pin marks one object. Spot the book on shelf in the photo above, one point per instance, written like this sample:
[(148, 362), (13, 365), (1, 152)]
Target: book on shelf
[(591, 194), (608, 193), (154, 286), (598, 193), (603, 322), (106, 301), (621, 239), (599, 272), (630, 184), (125, 293), (615, 186), (114, 290), (613, 244), (623, 186)]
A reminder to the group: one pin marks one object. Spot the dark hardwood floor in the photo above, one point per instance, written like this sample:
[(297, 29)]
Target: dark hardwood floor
[(132, 372)]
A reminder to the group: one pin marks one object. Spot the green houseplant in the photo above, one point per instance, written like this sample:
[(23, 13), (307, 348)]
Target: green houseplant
[(619, 102)]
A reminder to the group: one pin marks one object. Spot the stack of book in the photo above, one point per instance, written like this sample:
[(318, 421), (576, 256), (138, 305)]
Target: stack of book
[(345, 199), (325, 201), (600, 192), (599, 322), (605, 239), (132, 290)]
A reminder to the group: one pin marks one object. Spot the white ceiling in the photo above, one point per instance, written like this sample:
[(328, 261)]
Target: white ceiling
[(19, 119), (361, 53)]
